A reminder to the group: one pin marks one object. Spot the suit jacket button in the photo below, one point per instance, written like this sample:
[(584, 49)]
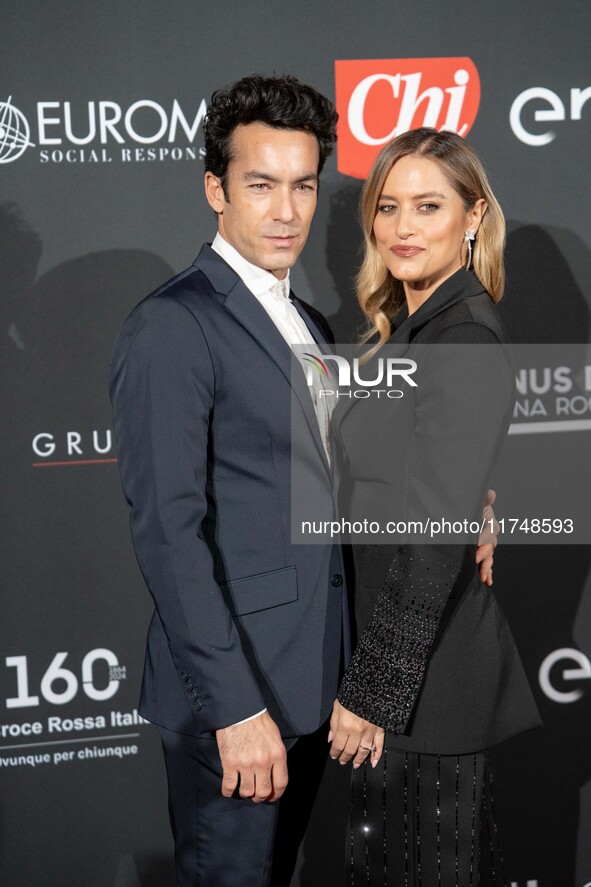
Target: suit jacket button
[(197, 704), (336, 580), (184, 675), (189, 685)]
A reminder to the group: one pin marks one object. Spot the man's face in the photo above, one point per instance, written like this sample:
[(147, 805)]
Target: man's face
[(271, 194)]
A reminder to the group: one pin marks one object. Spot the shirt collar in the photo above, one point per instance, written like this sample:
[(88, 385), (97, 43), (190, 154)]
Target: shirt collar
[(256, 279)]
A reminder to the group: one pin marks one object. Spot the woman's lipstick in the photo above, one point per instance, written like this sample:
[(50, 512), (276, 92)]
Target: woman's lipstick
[(406, 252)]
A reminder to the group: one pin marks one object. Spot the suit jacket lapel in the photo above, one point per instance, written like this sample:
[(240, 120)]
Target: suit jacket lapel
[(317, 333), (240, 303)]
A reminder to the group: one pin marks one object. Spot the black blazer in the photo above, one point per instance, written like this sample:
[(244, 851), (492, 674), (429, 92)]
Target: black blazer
[(201, 389), (435, 664)]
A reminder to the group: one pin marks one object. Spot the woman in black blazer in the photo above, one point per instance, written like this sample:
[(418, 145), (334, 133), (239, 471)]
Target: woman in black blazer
[(435, 679)]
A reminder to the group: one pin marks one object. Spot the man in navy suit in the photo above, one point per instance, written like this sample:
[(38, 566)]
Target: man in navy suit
[(246, 640)]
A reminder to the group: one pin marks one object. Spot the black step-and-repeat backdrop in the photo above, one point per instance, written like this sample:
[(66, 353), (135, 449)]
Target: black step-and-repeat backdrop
[(101, 110)]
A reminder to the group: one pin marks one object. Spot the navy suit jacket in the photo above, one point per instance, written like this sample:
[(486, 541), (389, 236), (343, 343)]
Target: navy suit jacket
[(201, 386)]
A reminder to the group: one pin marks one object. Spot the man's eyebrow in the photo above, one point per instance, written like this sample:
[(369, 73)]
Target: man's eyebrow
[(257, 175), (425, 196), (309, 177)]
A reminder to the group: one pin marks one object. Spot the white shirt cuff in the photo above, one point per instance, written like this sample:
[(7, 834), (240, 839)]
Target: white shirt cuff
[(251, 718)]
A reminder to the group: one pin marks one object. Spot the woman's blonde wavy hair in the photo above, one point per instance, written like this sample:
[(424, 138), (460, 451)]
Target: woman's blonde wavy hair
[(380, 295)]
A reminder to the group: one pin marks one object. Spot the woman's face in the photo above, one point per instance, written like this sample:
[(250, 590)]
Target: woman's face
[(420, 225)]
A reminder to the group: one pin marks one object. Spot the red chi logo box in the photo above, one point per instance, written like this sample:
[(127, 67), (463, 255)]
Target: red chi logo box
[(378, 99)]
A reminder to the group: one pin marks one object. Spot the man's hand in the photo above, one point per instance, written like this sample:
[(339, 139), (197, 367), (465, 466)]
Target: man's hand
[(487, 540), (254, 759), (354, 739)]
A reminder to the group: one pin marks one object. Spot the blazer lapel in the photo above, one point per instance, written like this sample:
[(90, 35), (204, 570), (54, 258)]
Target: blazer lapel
[(240, 303), (461, 285)]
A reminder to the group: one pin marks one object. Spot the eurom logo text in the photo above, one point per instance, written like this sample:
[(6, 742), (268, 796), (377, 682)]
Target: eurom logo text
[(378, 99), (101, 131)]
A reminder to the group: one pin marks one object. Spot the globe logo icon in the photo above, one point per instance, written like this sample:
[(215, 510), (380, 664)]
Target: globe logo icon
[(14, 132)]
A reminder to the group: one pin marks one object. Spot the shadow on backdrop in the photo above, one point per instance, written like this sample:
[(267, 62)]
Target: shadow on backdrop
[(539, 775), (543, 301), (343, 254), (71, 576)]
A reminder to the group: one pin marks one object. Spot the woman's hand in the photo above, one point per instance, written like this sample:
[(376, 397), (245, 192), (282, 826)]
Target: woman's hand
[(487, 540), (353, 739)]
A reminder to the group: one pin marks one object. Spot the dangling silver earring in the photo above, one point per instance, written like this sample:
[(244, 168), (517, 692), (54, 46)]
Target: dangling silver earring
[(468, 238)]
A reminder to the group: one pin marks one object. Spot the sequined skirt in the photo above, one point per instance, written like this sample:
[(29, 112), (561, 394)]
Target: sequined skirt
[(420, 820)]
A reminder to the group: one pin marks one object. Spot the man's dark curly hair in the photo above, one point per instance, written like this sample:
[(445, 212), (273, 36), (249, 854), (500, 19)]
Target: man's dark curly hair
[(282, 102)]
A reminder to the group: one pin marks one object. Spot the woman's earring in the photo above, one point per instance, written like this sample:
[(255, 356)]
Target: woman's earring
[(468, 238)]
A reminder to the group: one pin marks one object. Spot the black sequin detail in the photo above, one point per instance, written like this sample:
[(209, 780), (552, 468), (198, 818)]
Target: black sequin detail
[(385, 674)]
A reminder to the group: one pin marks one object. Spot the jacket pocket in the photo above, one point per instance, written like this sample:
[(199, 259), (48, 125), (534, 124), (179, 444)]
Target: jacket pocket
[(262, 591)]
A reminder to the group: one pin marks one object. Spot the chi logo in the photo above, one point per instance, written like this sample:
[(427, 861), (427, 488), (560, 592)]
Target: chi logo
[(14, 132), (378, 99)]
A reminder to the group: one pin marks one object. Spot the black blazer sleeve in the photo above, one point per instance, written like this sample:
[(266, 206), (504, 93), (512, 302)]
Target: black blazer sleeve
[(462, 415), (162, 389)]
